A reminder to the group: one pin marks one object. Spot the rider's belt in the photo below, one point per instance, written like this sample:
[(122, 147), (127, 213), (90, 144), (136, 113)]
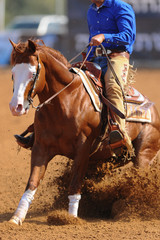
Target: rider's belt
[(99, 52)]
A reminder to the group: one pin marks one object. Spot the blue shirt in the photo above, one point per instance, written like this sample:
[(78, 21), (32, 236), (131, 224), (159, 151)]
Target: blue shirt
[(116, 20)]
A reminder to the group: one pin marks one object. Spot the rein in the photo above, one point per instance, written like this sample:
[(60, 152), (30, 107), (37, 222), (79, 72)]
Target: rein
[(48, 101), (105, 100)]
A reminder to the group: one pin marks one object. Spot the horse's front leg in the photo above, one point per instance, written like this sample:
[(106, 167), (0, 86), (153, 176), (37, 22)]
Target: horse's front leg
[(79, 169), (39, 164)]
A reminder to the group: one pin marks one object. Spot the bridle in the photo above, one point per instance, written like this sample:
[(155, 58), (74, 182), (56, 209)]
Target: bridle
[(29, 98)]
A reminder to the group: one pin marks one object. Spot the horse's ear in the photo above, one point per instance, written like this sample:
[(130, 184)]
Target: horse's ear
[(14, 45), (31, 45)]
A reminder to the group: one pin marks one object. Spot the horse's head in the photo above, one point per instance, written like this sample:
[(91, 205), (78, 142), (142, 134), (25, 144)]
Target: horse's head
[(25, 75)]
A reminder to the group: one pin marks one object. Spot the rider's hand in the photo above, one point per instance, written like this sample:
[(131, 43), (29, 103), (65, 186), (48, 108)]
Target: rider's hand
[(97, 40)]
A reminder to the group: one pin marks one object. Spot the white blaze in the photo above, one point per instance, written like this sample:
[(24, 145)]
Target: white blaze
[(22, 74)]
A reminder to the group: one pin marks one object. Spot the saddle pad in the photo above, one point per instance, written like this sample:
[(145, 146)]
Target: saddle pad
[(90, 88), (139, 112)]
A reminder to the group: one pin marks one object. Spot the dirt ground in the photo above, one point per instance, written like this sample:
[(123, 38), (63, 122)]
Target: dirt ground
[(136, 214)]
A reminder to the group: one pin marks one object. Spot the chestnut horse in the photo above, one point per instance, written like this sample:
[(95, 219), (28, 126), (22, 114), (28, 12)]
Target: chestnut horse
[(68, 125)]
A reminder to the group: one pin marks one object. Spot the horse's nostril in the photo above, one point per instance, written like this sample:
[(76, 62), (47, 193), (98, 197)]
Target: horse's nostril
[(19, 108)]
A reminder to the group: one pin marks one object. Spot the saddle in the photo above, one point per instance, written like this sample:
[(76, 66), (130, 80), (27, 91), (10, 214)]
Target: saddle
[(93, 72), (137, 106)]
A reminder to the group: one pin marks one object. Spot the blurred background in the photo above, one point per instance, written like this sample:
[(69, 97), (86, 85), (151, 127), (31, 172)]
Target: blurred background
[(62, 24)]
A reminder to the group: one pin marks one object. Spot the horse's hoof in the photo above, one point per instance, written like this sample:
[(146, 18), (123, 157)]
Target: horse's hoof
[(16, 220)]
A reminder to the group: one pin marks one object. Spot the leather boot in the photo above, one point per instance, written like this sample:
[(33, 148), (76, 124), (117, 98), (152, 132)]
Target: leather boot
[(119, 140), (25, 142)]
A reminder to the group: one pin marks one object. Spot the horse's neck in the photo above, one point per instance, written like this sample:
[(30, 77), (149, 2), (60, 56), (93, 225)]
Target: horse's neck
[(56, 71), (57, 76)]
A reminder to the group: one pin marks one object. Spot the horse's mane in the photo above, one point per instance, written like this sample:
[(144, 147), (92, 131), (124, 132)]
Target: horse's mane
[(55, 53), (22, 48)]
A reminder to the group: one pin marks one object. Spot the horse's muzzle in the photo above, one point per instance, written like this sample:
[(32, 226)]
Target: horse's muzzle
[(19, 109)]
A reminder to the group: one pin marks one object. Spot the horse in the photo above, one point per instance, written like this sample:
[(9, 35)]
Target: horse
[(68, 124)]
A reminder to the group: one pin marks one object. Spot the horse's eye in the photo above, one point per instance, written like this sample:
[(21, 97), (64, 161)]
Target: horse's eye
[(33, 75), (12, 78)]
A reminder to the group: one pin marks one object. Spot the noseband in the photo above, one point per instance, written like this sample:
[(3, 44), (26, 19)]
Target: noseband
[(29, 98)]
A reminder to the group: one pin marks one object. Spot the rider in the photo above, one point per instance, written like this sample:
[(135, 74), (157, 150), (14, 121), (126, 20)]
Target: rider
[(112, 24)]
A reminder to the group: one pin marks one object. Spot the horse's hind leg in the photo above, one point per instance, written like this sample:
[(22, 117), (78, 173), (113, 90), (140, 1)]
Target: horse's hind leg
[(147, 145), (38, 167)]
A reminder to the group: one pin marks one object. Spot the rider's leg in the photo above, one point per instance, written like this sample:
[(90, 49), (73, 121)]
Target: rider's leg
[(120, 65)]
